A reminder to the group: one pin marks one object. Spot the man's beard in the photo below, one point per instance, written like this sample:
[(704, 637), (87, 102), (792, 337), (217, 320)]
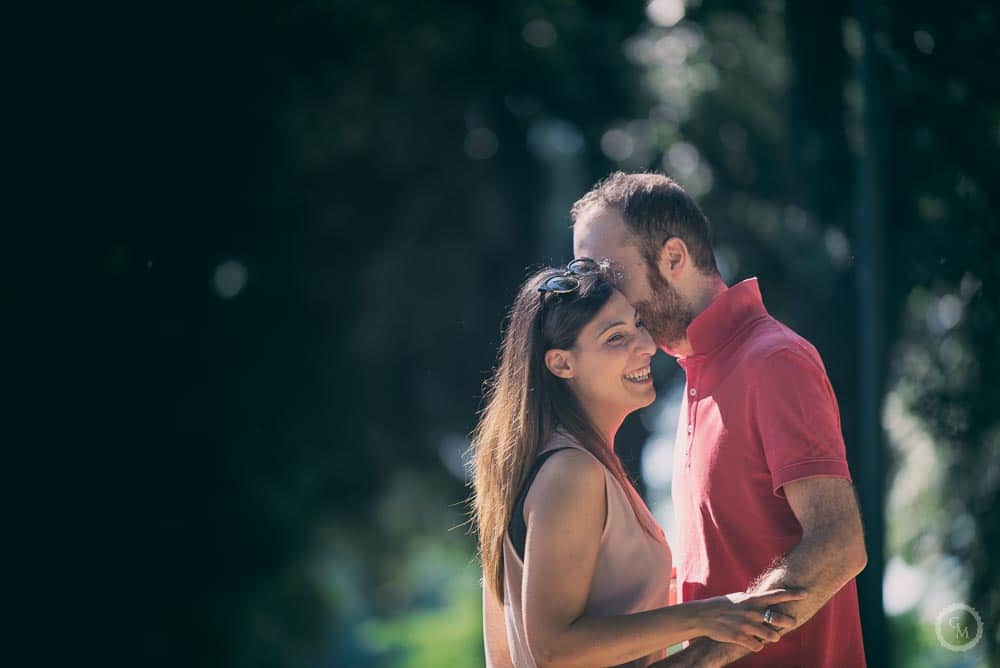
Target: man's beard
[(666, 315)]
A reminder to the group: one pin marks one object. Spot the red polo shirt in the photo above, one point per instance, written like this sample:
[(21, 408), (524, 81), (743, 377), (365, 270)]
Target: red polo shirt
[(758, 413)]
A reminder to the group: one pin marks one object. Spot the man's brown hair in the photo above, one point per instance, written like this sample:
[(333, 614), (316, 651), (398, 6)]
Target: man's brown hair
[(654, 208)]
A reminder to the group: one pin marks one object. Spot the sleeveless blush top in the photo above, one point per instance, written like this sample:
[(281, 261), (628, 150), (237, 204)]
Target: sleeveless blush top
[(632, 573)]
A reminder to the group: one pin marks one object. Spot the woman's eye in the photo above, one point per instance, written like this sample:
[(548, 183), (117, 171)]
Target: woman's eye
[(615, 338)]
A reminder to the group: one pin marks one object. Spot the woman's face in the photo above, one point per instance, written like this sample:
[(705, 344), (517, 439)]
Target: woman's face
[(608, 366)]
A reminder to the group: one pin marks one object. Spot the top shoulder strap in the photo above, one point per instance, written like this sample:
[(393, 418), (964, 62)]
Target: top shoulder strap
[(517, 528)]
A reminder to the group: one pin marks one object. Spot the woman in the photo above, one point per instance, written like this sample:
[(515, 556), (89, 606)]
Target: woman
[(576, 570)]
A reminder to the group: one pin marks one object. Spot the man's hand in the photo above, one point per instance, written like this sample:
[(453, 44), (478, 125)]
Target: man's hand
[(830, 554), (738, 618)]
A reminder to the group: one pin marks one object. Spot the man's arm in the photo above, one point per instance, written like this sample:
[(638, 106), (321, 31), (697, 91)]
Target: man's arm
[(830, 554)]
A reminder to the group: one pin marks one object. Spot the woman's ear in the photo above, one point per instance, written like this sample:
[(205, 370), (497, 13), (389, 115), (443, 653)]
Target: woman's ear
[(560, 363)]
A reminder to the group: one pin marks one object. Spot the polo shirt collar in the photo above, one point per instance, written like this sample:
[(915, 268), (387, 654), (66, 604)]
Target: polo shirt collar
[(729, 314)]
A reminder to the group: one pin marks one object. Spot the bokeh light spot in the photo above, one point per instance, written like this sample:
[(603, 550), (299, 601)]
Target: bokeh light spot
[(539, 33), (552, 139), (924, 41), (902, 586), (665, 13), (481, 144), (617, 144), (949, 311), (230, 278)]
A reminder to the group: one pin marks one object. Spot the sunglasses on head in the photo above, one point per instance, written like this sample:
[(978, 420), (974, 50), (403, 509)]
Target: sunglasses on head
[(568, 281)]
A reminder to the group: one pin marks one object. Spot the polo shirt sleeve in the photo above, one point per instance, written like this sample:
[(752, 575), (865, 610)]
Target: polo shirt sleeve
[(798, 419)]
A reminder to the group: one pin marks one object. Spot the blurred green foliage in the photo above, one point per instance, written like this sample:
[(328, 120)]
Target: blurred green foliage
[(448, 634)]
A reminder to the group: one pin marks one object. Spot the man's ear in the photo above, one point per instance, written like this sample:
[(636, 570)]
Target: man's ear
[(560, 363), (674, 258)]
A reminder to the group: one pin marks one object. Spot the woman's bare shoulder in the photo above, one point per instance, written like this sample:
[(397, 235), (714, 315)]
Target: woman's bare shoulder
[(571, 477)]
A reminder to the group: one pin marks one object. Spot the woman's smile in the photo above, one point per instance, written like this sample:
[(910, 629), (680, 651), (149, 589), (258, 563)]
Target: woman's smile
[(640, 376)]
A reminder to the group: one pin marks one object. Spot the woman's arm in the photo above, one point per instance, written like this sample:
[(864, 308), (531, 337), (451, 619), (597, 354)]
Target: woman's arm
[(565, 511), (495, 632)]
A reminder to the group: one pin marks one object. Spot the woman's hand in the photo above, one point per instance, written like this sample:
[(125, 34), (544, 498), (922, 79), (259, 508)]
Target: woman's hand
[(739, 618)]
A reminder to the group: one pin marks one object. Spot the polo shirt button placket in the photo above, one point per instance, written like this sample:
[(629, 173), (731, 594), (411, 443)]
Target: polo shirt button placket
[(692, 412), (690, 439)]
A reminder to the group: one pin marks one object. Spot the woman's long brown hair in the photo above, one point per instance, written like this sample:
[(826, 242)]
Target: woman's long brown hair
[(525, 403)]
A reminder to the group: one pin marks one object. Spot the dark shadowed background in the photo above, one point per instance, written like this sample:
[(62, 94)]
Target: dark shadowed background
[(304, 222)]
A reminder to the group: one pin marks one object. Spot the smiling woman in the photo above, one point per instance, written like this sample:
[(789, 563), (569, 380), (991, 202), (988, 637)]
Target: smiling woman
[(608, 367), (576, 570)]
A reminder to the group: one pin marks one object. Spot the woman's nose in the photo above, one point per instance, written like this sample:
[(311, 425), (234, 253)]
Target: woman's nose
[(646, 345)]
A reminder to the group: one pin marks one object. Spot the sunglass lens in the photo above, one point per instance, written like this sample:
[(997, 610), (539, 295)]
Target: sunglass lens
[(561, 284), (583, 265)]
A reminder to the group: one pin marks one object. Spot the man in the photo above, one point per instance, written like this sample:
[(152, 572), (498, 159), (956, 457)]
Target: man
[(761, 487)]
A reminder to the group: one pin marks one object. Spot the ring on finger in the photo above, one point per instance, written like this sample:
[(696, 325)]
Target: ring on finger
[(768, 615)]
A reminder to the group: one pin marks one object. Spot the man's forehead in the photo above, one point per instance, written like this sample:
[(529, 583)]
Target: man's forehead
[(599, 228)]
